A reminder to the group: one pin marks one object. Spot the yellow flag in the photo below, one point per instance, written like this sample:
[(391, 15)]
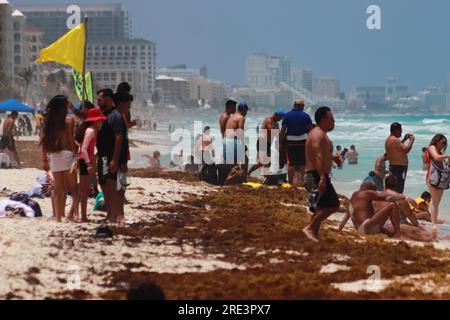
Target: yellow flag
[(68, 50)]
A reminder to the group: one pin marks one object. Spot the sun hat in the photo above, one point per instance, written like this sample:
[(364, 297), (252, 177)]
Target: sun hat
[(94, 115)]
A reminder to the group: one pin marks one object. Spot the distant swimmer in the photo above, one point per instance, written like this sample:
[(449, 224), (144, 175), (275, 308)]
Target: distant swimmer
[(424, 159), (230, 109), (352, 156), (338, 157), (265, 140), (397, 154)]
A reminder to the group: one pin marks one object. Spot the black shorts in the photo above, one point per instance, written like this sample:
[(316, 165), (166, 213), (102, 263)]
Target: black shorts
[(103, 171), (268, 148), (7, 142), (296, 153), (83, 168), (328, 200), (400, 173)]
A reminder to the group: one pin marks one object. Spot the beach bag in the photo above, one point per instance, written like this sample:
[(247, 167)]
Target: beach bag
[(438, 177), (208, 174)]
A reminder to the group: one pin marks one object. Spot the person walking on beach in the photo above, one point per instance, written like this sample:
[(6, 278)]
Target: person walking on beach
[(7, 139), (230, 109), (294, 133), (438, 175), (397, 154), (86, 164), (58, 148), (265, 140), (109, 146), (323, 200), (380, 172)]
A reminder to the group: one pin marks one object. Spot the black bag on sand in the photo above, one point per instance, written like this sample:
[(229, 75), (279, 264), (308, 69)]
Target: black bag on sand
[(275, 180), (223, 171), (208, 174)]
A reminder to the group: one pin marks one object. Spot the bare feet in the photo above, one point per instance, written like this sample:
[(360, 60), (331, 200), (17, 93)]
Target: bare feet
[(310, 234)]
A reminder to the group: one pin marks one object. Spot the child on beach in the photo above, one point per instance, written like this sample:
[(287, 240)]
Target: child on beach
[(87, 139)]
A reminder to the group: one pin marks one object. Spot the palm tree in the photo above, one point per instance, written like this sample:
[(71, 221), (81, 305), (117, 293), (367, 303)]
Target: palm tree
[(26, 75)]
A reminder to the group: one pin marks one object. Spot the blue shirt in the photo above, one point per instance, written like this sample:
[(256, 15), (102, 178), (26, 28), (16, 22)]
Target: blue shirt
[(297, 122)]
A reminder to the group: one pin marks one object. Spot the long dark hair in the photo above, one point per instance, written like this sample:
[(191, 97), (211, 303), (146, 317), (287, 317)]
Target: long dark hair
[(81, 131), (54, 124), (438, 138), (85, 106)]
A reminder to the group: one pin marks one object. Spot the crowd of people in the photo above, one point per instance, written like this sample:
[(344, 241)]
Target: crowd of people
[(69, 141), (68, 144)]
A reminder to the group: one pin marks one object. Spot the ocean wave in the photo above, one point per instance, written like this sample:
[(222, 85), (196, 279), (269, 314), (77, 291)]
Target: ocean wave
[(434, 121)]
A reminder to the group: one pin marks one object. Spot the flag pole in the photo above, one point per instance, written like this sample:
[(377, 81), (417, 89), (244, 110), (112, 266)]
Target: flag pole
[(83, 74)]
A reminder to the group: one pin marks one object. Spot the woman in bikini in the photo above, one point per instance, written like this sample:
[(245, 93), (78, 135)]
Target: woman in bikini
[(436, 154), (58, 147)]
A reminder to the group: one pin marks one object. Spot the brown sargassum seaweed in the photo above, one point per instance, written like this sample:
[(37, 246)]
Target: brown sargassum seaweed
[(254, 227)]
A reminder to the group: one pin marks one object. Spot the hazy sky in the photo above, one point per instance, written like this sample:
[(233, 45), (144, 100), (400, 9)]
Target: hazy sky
[(329, 36)]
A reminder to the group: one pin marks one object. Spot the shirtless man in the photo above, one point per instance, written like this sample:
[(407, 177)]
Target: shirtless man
[(323, 200), (230, 109), (265, 140), (380, 172), (366, 219), (397, 154), (7, 140), (414, 230), (234, 142)]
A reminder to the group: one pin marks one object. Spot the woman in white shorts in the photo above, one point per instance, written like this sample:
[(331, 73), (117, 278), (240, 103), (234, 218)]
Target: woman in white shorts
[(59, 149)]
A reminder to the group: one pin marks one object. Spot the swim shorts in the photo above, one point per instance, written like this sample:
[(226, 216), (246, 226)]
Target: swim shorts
[(103, 171), (400, 173), (328, 200), (296, 155)]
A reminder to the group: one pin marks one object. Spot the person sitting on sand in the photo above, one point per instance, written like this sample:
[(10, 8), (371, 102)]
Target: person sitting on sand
[(421, 208), (390, 186), (366, 219), (155, 161)]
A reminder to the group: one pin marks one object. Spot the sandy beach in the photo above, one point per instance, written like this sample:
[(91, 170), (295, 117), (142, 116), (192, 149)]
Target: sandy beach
[(197, 241), (200, 242)]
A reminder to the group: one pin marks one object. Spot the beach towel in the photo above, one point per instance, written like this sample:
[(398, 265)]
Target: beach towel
[(14, 205), (23, 198)]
